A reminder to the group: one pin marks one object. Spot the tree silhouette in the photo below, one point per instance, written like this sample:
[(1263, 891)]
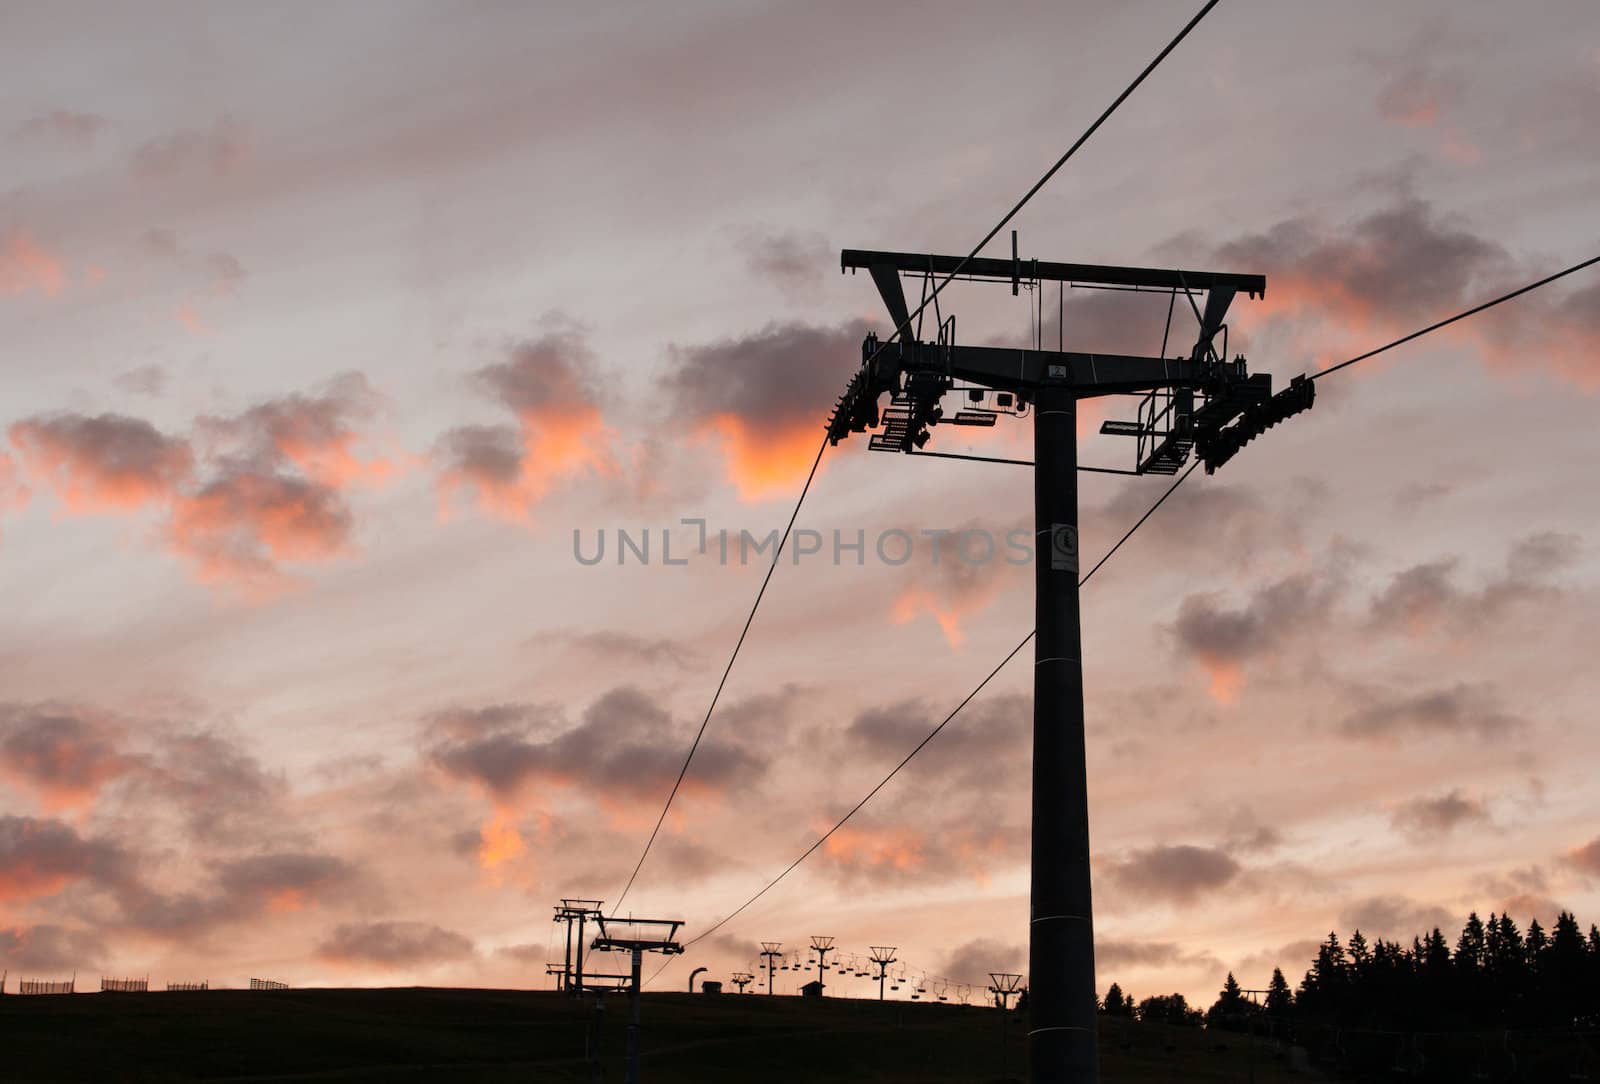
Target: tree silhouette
[(1280, 1000), (1496, 980), (1232, 1009), (1168, 1009)]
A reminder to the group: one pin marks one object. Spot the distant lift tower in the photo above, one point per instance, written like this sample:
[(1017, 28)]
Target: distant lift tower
[(882, 956), (821, 946), (1197, 402), (579, 913), (770, 953)]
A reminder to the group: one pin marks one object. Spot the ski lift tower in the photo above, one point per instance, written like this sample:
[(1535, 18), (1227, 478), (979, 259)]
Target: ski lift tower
[(637, 936), (572, 911), (882, 956), (770, 953), (821, 946), (1198, 402)]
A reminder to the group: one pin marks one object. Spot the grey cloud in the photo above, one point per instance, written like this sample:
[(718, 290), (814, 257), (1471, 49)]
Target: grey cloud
[(222, 270), (1525, 891), (624, 742), (394, 944), (1538, 556), (1414, 495), (468, 723), (991, 732), (48, 947), (488, 454), (1428, 593), (1204, 629), (1293, 958), (73, 752), (278, 430), (224, 791), (1400, 260), (242, 888), (217, 150), (532, 953), (1429, 818), (298, 872), (624, 647), (1416, 94), (782, 375), (1237, 519), (1403, 263), (1458, 709), (1393, 916), (112, 452), (1136, 954), (61, 127), (1245, 833), (972, 962), (1419, 595), (246, 519), (1587, 857), (1178, 874), (40, 857), (555, 371), (793, 260), (145, 380), (57, 749)]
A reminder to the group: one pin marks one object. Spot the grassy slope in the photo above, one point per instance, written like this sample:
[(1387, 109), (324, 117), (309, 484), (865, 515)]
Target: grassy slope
[(501, 1035)]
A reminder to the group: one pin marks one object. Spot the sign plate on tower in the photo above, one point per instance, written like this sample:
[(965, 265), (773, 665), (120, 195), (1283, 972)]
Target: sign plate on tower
[(1063, 548)]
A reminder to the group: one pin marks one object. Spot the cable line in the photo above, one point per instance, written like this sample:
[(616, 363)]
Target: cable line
[(683, 771), (931, 734), (1459, 316), (1009, 215)]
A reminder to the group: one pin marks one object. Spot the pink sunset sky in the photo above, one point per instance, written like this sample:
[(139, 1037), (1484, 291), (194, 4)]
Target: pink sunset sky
[(325, 327)]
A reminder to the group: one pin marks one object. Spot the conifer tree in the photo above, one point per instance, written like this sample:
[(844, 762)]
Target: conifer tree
[(1533, 949), (1280, 1001), (1360, 954), (1567, 961), (1470, 946), (1231, 1010)]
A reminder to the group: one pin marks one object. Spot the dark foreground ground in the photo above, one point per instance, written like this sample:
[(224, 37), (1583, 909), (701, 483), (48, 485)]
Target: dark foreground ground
[(505, 1035)]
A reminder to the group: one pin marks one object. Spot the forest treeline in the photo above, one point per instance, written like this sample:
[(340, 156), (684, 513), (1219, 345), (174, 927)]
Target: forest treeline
[(1496, 976)]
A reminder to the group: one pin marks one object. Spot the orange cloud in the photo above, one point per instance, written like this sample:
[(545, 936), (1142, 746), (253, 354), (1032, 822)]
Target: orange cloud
[(25, 881), (102, 464), (317, 434), (764, 462), (60, 757), (13, 494), (510, 475), (764, 397), (287, 901), (190, 318), (24, 267), (1227, 678), (285, 464), (236, 528), (560, 432), (501, 841), (968, 569), (39, 858), (874, 848), (947, 612)]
